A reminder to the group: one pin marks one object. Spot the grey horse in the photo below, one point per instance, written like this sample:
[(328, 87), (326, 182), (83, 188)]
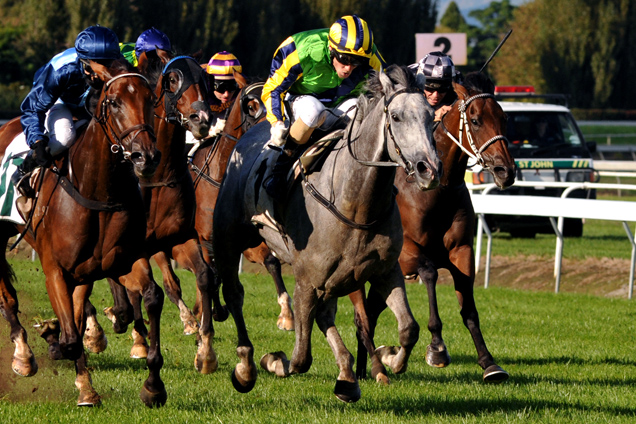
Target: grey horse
[(338, 229)]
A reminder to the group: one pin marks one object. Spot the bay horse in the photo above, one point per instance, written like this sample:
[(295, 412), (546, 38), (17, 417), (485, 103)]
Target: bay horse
[(207, 167), (88, 224), (170, 204), (341, 227), (439, 224)]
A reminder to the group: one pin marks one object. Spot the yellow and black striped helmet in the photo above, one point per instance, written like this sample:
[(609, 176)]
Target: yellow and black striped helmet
[(351, 35)]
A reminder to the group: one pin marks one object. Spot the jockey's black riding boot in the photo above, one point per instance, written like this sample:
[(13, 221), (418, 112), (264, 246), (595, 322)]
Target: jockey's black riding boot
[(276, 184), (21, 176)]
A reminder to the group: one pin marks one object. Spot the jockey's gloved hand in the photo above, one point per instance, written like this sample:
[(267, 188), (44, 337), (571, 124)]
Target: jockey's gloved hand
[(278, 134), (42, 153)]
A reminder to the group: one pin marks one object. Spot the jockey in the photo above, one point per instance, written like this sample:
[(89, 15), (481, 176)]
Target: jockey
[(221, 68), (320, 73), (150, 39), (440, 73), (59, 91)]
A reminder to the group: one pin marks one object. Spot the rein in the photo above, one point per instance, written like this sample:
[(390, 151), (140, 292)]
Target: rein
[(463, 125)]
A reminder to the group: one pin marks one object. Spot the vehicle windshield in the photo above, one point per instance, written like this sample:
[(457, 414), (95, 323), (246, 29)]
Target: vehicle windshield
[(540, 131)]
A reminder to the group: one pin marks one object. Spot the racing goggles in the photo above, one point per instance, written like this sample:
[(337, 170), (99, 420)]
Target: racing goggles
[(350, 59), (222, 86)]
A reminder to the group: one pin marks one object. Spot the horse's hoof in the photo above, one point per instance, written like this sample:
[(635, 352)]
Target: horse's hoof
[(438, 358), (25, 367), (220, 314), (206, 365), (139, 351), (495, 374), (96, 344), (55, 352), (190, 328), (275, 363), (240, 385), (153, 399), (382, 379), (387, 355), (89, 398), (347, 392), (285, 324)]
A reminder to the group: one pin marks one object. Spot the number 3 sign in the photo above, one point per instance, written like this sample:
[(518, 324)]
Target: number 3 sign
[(451, 44)]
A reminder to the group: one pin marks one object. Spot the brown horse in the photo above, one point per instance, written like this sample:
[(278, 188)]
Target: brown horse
[(170, 202), (439, 224), (208, 168), (88, 224)]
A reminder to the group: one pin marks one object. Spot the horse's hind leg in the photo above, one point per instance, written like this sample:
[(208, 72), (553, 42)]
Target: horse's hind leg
[(140, 280), (172, 285), (390, 290), (189, 256), (94, 338), (464, 278), (436, 353), (121, 314), (23, 362), (347, 388), (88, 396), (364, 334), (262, 254)]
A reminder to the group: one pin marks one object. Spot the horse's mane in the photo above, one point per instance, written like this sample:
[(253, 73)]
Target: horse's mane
[(399, 76), (478, 82), (155, 67)]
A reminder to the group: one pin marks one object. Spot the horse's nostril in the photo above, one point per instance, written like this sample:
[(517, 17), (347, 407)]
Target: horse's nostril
[(135, 157), (194, 117), (421, 167)]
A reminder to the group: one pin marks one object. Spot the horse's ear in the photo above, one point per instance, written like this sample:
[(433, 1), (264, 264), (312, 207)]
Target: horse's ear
[(164, 55), (102, 72), (197, 55), (240, 79), (142, 63), (387, 84), (461, 91)]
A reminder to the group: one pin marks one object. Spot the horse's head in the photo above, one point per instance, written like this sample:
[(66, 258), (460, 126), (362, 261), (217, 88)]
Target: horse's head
[(482, 123), (183, 85), (408, 127), (125, 111)]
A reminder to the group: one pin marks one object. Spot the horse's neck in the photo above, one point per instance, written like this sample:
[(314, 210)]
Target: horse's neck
[(171, 144), (94, 169), (366, 191)]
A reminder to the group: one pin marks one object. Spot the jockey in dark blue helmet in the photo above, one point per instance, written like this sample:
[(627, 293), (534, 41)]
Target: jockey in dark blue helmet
[(59, 90)]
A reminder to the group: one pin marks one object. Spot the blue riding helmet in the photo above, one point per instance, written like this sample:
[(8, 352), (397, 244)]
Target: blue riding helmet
[(97, 42), (151, 39)]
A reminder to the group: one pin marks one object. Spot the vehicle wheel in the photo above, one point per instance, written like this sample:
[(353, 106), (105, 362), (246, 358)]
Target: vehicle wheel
[(523, 233), (572, 227)]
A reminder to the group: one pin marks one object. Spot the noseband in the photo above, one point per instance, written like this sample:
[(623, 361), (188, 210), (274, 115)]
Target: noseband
[(463, 124), (117, 145), (191, 73), (408, 166)]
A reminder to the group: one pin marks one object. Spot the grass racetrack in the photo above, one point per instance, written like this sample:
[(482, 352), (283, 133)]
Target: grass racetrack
[(571, 359)]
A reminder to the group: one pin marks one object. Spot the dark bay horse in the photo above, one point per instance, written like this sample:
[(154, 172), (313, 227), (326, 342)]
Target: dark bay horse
[(88, 224), (170, 201), (439, 224), (341, 226), (208, 168)]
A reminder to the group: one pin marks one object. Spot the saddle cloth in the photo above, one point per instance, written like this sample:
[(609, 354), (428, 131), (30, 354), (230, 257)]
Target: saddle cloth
[(309, 161), (13, 156)]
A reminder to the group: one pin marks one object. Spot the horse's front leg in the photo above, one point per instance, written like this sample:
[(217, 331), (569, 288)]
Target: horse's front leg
[(121, 314), (94, 338), (172, 285), (464, 278), (347, 388), (390, 289), (436, 352), (188, 255), (87, 394), (140, 280), (23, 362)]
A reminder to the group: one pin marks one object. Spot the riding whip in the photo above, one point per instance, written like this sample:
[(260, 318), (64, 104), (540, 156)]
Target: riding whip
[(496, 50)]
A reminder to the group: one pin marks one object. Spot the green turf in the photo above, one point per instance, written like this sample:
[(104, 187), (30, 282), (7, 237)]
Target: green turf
[(570, 357)]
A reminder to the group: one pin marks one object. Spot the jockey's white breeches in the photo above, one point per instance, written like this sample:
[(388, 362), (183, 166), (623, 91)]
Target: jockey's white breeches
[(315, 115), (59, 128)]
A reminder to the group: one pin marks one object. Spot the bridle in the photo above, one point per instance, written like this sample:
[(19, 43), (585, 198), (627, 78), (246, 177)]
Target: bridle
[(463, 124), (190, 75), (116, 140), (408, 165)]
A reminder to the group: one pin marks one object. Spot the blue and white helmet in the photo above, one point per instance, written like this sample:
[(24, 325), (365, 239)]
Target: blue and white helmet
[(97, 42)]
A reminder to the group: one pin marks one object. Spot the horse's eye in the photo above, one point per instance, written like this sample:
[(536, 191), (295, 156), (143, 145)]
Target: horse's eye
[(474, 121), (395, 117)]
